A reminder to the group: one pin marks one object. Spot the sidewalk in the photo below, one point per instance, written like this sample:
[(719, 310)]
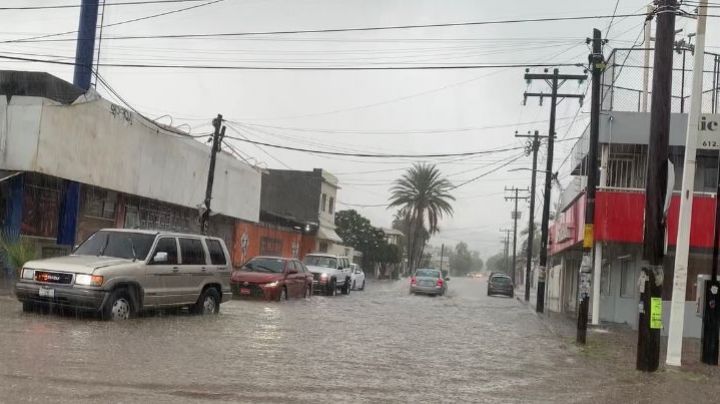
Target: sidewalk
[(616, 345)]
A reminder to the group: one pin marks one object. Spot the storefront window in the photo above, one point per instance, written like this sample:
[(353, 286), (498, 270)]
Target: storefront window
[(100, 203), (270, 246)]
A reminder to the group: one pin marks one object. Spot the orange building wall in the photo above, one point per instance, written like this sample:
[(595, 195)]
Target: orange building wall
[(308, 245), (248, 241)]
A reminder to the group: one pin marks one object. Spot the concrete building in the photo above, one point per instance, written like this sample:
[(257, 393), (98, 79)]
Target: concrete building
[(619, 211), (392, 236), (311, 209), (124, 170)]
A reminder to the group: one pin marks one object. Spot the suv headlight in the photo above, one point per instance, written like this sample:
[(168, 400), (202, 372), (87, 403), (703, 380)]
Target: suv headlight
[(28, 273), (323, 275), (272, 284), (88, 280)]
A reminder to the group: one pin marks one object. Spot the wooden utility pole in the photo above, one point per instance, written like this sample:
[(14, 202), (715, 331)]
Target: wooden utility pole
[(651, 277), (217, 138), (506, 242), (597, 65), (556, 80), (515, 217), (533, 147)]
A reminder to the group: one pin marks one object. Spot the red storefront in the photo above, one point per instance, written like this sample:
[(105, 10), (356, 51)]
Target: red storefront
[(619, 217)]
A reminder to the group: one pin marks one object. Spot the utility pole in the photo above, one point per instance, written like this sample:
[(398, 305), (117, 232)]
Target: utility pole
[(651, 277), (711, 311), (70, 201), (533, 147), (597, 65), (217, 138), (85, 48), (682, 251), (506, 242), (556, 80), (515, 217)]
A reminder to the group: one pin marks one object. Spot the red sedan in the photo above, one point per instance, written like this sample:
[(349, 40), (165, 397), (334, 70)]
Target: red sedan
[(272, 278)]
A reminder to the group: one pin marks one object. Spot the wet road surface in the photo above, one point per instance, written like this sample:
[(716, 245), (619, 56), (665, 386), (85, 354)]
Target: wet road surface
[(379, 345)]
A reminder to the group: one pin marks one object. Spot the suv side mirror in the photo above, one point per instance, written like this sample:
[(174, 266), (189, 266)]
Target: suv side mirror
[(447, 278), (160, 257)]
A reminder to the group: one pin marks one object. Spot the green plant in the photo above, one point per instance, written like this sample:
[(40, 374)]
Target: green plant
[(16, 250)]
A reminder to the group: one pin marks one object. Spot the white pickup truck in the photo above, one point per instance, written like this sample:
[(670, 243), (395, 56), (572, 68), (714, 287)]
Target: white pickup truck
[(330, 273)]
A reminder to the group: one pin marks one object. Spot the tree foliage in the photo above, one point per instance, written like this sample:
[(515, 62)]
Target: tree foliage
[(423, 197), (464, 261), (498, 263), (358, 233)]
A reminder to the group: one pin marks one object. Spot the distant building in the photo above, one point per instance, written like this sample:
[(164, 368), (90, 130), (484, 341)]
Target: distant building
[(305, 200), (392, 236)]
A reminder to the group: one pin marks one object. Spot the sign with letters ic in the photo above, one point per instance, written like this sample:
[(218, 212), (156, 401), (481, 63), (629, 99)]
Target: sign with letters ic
[(709, 132)]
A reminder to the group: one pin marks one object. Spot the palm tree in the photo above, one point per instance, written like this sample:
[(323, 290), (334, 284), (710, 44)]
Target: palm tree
[(422, 195)]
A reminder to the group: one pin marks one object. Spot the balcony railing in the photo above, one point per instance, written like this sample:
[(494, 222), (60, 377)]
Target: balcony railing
[(623, 80)]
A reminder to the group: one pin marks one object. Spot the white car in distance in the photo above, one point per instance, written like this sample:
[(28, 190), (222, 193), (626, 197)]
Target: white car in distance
[(358, 277)]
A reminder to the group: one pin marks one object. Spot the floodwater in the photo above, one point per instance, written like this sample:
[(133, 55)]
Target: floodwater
[(378, 345)]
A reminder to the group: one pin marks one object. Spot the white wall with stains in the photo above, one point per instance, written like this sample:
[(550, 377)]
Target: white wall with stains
[(102, 144)]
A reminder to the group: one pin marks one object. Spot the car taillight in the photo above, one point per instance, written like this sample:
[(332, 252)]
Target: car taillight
[(412, 280), (440, 282)]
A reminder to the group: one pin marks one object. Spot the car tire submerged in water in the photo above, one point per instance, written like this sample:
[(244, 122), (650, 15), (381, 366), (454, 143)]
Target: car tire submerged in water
[(363, 285), (331, 288), (207, 303), (346, 287), (118, 306), (308, 292), (283, 294)]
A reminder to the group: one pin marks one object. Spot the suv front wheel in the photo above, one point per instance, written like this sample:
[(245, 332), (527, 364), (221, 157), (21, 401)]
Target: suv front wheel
[(118, 306), (346, 287), (331, 288), (208, 303)]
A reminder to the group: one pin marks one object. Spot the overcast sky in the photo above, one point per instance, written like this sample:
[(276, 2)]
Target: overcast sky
[(407, 111)]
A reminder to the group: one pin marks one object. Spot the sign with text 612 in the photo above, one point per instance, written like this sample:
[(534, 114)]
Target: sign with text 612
[(709, 132)]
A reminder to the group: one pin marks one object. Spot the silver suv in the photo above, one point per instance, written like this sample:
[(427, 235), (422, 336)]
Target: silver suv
[(119, 273), (330, 272)]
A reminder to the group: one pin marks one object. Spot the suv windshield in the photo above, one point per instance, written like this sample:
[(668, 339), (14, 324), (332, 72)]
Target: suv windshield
[(269, 265), (117, 244), (427, 273), (325, 262)]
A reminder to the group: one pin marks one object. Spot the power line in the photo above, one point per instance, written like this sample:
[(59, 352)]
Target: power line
[(42, 38), (607, 30), (485, 174), (359, 205), (308, 68), (370, 155), (127, 3), (398, 131), (358, 29)]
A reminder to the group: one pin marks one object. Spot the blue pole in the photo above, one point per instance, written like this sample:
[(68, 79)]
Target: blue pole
[(85, 49), (14, 208), (84, 53)]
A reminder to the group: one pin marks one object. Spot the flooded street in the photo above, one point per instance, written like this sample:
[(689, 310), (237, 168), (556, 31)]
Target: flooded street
[(379, 345)]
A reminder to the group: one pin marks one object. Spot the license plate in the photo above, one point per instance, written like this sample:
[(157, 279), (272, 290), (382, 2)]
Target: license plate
[(46, 292), (244, 291)]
